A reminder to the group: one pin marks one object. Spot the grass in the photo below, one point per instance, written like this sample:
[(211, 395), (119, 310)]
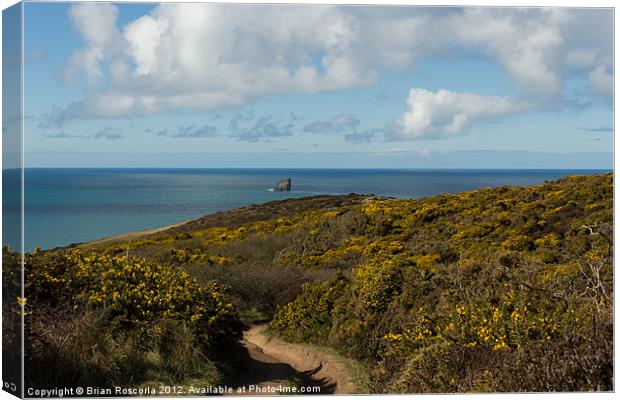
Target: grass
[(358, 372), (252, 315)]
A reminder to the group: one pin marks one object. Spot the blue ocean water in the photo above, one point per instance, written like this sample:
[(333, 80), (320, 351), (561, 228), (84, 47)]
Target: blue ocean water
[(64, 206)]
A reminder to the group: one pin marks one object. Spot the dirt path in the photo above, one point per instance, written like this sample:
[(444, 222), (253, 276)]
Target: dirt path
[(272, 363)]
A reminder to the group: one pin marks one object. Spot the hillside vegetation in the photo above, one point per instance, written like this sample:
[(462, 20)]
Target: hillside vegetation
[(502, 289)]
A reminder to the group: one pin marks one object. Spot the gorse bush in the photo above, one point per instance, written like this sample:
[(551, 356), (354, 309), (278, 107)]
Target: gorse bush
[(192, 256), (106, 320), (375, 283), (308, 317), (134, 291), (11, 316), (477, 291)]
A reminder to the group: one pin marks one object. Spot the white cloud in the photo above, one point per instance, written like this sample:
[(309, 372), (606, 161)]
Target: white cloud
[(96, 23), (581, 58), (447, 114), (537, 45), (601, 81), (88, 61), (206, 56), (524, 41), (144, 37), (230, 54)]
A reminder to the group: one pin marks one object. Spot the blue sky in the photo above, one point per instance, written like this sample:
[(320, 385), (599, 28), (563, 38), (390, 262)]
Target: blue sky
[(407, 87)]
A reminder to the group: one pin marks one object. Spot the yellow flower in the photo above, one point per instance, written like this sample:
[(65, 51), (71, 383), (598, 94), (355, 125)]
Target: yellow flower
[(500, 346), (393, 336)]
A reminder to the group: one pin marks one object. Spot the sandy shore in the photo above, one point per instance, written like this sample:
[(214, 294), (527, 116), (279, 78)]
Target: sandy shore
[(128, 236)]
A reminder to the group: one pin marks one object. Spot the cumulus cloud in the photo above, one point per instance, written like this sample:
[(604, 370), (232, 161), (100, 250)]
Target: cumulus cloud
[(537, 46), (143, 38), (601, 81), (525, 41), (96, 23), (446, 114), (207, 56), (581, 58)]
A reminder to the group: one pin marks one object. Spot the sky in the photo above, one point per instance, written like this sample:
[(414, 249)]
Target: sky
[(208, 85)]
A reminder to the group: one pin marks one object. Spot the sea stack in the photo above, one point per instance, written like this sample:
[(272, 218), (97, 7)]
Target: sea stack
[(283, 185)]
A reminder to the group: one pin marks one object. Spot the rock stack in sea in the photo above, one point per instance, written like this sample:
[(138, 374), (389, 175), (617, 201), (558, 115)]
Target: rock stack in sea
[(283, 185)]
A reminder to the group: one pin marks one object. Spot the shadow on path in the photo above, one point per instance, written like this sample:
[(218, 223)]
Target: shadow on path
[(262, 371)]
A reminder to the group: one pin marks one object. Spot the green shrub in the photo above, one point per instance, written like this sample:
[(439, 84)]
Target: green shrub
[(102, 320), (308, 317), (376, 282), (80, 347)]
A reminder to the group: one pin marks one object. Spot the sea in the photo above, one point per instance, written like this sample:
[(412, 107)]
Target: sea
[(73, 205)]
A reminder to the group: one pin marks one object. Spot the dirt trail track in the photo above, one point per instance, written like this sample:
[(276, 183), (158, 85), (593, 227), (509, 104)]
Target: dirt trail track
[(272, 362)]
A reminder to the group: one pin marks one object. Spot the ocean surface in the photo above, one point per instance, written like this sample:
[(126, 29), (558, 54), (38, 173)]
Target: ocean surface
[(64, 206)]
